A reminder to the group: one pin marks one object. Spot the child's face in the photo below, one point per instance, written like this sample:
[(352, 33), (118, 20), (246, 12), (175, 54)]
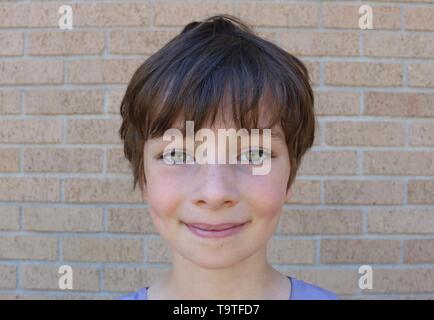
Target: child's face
[(214, 194)]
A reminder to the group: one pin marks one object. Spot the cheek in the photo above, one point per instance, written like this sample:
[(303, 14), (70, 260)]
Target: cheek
[(266, 195), (267, 192), (165, 192)]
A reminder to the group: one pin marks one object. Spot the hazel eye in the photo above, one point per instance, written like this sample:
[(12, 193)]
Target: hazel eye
[(175, 156), (255, 156)]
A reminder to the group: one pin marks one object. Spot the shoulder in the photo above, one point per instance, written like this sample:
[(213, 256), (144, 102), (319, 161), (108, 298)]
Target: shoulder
[(140, 294), (302, 290)]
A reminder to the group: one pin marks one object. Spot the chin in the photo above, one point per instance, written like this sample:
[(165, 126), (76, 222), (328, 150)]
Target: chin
[(216, 264), (208, 259)]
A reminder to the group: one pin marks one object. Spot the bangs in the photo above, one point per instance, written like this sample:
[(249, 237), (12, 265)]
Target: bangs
[(226, 76)]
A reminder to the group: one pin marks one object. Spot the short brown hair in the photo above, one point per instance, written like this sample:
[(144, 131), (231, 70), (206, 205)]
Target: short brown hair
[(218, 57)]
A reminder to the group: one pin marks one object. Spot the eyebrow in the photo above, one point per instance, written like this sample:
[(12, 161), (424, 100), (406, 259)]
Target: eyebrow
[(274, 133)]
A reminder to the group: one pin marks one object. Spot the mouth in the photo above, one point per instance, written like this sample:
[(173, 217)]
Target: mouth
[(215, 231)]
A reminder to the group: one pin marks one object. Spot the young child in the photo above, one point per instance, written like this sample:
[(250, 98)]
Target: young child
[(219, 74)]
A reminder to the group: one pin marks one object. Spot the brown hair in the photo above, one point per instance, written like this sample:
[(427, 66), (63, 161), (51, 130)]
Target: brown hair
[(209, 60)]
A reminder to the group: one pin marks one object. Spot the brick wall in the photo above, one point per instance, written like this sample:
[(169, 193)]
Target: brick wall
[(364, 194)]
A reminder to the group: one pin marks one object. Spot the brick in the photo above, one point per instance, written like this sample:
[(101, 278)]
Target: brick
[(30, 131), (382, 44), (8, 275), (329, 162), (28, 247), (422, 134), (116, 161), (130, 279), (363, 74), (31, 72), (115, 100), (130, 220), (352, 133), (313, 68), (291, 251), (11, 43), (9, 102), (309, 43), (399, 163), (329, 103), (10, 160), (419, 251), (346, 16), (63, 219), (362, 251), (421, 75), (364, 192), (64, 102), (101, 190), (413, 280), (419, 19), (399, 104), (97, 131), (158, 251), (10, 217), (421, 192), (278, 14), (305, 192), (338, 281), (317, 136), (179, 13), (65, 43), (84, 14), (102, 71), (17, 14), (29, 189), (400, 220), (102, 249), (126, 41), (313, 222), (46, 277), (112, 14), (62, 160)]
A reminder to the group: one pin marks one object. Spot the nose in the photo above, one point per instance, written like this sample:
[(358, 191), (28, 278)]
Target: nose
[(216, 187)]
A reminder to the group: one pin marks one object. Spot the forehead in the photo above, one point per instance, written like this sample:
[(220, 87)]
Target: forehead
[(276, 130), (228, 116)]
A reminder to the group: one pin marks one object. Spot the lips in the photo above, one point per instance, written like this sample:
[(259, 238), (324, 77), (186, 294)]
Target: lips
[(225, 230), (222, 226)]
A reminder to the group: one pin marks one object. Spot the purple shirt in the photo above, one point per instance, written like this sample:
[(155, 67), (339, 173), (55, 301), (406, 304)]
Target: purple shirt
[(300, 290)]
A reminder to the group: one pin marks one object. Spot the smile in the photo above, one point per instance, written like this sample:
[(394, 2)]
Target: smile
[(216, 233)]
